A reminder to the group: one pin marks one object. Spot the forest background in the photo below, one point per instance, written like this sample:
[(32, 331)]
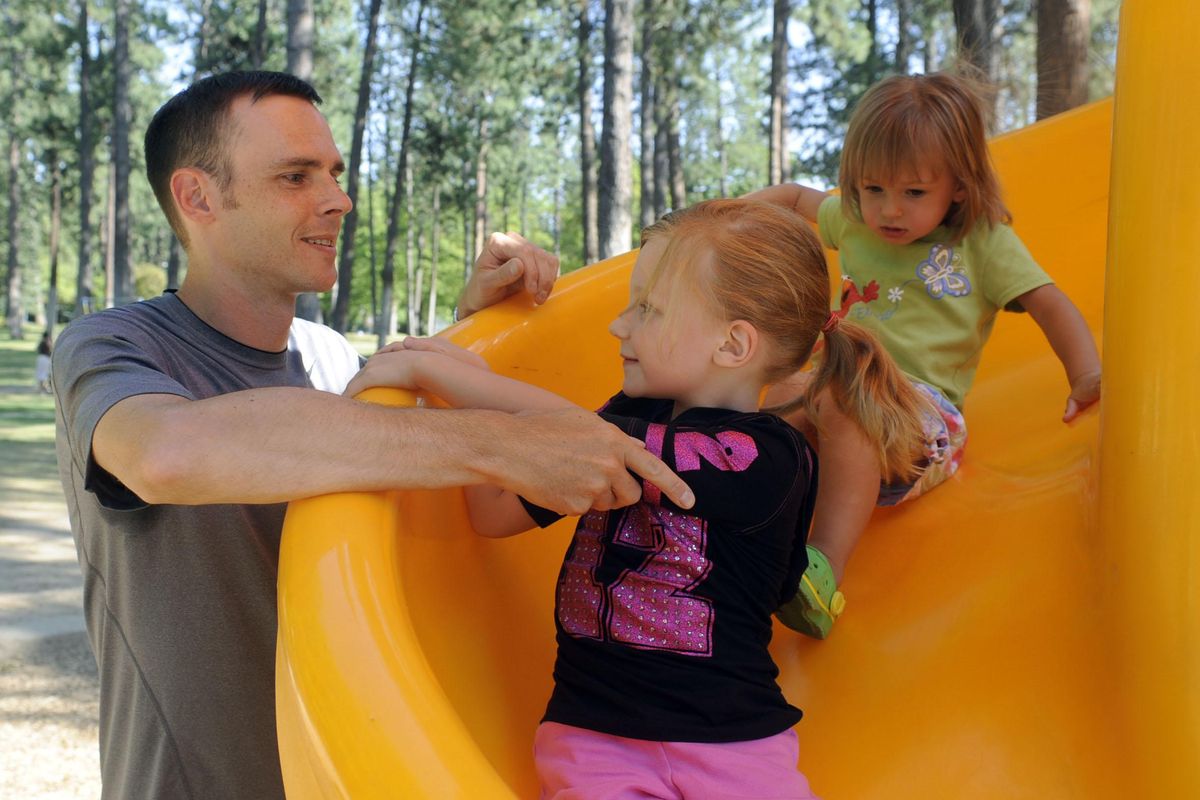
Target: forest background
[(571, 122)]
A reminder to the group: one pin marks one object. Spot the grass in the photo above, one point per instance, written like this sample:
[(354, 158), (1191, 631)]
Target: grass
[(28, 470)]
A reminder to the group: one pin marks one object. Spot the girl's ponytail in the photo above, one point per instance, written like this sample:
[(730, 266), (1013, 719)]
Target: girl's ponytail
[(869, 388)]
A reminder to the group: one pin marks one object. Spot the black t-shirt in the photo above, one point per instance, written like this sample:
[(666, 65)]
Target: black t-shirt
[(664, 615)]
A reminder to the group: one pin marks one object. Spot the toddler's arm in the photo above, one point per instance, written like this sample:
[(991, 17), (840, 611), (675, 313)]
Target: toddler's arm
[(804, 200), (1072, 342)]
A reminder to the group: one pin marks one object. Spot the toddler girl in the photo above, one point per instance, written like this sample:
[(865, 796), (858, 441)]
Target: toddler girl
[(663, 685), (928, 259)]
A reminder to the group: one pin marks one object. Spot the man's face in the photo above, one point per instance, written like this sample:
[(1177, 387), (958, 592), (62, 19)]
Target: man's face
[(281, 213)]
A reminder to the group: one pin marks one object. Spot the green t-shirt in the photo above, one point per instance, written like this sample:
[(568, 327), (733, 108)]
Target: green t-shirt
[(932, 305)]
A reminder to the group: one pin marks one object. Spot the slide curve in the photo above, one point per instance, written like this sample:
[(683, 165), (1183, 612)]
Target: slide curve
[(991, 646)]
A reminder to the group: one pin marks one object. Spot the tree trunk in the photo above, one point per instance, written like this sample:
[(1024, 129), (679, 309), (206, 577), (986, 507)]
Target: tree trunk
[(558, 193), (615, 220), (482, 223), (110, 225), (662, 158), (301, 32), (777, 155), (387, 279), (433, 257), (341, 308), (719, 142), (904, 43), (414, 328), (260, 37), (1063, 34), (587, 141), (412, 261), (674, 155), (55, 235), (122, 113), (84, 288), (975, 22), (13, 306), (174, 263), (203, 35), (371, 233), (646, 157)]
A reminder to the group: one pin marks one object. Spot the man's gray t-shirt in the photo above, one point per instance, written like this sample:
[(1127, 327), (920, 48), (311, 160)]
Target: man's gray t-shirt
[(180, 600)]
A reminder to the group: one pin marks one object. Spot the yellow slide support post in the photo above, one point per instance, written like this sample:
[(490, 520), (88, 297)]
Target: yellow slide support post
[(1028, 630), (1150, 442)]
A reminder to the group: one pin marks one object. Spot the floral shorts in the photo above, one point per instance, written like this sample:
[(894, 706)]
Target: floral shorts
[(945, 440)]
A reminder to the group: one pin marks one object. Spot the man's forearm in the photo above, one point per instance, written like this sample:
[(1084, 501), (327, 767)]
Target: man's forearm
[(272, 445)]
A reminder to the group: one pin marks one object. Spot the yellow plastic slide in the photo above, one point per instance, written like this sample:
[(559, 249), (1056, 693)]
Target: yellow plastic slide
[(1028, 630)]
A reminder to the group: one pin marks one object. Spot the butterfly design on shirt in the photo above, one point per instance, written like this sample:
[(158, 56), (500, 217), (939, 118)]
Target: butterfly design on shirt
[(940, 274)]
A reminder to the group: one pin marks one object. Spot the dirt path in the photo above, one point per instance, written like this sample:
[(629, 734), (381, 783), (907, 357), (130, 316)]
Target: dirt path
[(49, 697)]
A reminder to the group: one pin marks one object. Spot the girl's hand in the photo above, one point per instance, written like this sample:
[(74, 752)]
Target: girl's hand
[(440, 345), (1085, 393), (394, 368)]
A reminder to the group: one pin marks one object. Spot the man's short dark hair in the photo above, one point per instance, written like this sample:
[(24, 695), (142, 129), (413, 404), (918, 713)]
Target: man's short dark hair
[(190, 129)]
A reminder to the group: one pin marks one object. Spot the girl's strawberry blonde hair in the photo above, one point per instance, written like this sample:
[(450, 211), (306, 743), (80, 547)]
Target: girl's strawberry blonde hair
[(904, 120), (762, 263)]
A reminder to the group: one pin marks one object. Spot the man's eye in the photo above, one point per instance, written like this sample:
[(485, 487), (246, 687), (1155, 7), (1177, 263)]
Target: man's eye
[(294, 177)]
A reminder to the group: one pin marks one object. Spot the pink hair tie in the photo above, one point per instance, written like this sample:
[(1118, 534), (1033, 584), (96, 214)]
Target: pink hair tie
[(831, 323)]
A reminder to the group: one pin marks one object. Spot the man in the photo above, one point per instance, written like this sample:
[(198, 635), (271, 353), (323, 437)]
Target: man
[(185, 422)]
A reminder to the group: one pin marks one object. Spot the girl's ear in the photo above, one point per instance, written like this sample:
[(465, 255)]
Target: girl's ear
[(740, 345), (960, 194)]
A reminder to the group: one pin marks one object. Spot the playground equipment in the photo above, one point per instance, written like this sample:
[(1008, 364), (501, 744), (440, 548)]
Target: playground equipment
[(1029, 629)]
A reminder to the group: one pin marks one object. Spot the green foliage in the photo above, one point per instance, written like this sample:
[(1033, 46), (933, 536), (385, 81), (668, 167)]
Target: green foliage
[(149, 280), (507, 67)]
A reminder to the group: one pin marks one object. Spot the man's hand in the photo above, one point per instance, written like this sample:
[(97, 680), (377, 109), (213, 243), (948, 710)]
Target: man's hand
[(571, 461), (508, 264)]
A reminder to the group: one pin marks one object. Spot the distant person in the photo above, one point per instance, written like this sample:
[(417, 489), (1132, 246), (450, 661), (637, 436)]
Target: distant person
[(663, 685), (41, 365), (186, 422), (928, 259)]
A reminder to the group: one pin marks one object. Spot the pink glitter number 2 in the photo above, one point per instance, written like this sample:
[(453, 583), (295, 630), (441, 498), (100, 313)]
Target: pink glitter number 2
[(652, 607), (649, 608)]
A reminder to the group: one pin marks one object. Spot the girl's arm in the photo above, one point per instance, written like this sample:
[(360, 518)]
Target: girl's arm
[(1072, 342), (462, 379), (804, 200), (459, 382), (496, 512)]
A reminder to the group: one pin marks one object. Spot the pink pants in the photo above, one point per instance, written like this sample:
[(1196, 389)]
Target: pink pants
[(577, 764)]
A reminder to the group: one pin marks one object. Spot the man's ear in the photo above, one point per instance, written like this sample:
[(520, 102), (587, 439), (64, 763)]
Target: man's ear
[(193, 192), (740, 345)]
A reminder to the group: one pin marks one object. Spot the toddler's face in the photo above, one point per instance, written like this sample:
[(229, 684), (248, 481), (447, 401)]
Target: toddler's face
[(908, 206)]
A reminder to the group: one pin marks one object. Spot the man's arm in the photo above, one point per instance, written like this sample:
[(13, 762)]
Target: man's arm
[(280, 444)]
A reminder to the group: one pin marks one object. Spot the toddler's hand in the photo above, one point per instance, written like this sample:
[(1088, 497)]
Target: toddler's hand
[(1085, 393)]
